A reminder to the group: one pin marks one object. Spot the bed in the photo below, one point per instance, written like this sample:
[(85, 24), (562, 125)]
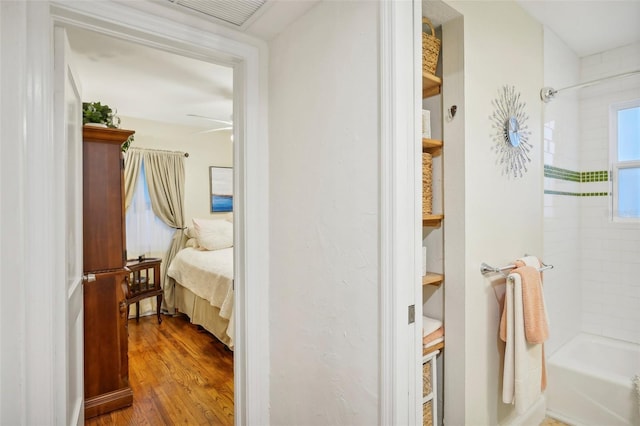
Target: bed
[(204, 281)]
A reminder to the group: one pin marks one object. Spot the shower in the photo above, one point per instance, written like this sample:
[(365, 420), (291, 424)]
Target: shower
[(591, 140)]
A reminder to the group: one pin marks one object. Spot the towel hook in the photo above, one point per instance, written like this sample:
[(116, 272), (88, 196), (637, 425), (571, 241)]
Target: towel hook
[(451, 112)]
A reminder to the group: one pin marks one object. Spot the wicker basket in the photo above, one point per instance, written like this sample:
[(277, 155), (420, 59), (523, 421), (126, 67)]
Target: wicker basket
[(430, 48), (427, 174), (426, 379), (427, 413)]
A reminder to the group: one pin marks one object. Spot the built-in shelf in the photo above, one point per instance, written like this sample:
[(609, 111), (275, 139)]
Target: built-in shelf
[(428, 398), (431, 144), (431, 85), (426, 351), (432, 279), (432, 220)]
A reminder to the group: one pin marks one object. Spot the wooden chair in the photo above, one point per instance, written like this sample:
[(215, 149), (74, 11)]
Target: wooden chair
[(143, 281)]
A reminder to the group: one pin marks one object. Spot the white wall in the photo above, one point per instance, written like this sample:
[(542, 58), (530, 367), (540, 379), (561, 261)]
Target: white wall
[(561, 215), (610, 252), (502, 217), (324, 238), (205, 149), (454, 208)]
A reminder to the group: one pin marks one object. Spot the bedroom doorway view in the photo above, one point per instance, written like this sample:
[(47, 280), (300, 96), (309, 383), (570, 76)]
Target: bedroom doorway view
[(178, 184)]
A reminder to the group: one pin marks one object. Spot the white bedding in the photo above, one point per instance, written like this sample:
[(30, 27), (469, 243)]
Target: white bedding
[(209, 275)]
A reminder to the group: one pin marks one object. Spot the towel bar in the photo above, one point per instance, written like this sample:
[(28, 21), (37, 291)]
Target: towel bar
[(485, 268)]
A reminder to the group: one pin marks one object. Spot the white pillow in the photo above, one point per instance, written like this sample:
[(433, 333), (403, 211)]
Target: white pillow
[(191, 242), (213, 234)]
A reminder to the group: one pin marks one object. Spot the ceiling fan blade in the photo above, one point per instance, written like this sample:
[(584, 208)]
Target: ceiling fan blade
[(229, 123), (214, 130)]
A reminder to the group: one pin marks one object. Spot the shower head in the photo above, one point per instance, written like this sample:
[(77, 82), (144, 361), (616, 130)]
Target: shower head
[(547, 94)]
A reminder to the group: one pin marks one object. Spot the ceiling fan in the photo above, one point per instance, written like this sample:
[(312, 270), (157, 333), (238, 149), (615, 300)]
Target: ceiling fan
[(225, 125)]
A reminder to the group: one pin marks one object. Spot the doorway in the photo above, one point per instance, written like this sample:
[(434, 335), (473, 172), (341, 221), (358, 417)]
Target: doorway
[(175, 104), (250, 170)]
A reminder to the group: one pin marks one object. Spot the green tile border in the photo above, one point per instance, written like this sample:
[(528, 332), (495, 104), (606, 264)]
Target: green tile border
[(574, 176), (577, 194), (594, 194), (597, 176), (563, 174), (550, 192)]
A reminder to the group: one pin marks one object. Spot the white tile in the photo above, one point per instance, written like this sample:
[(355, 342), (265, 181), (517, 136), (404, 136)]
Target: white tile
[(592, 324), (599, 257)]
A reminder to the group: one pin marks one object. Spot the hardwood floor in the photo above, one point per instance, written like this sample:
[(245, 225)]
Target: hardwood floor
[(179, 374)]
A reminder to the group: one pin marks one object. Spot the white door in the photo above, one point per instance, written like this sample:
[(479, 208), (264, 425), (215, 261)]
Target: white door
[(68, 147)]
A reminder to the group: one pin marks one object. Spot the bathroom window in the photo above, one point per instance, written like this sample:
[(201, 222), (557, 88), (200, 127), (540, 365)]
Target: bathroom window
[(625, 154)]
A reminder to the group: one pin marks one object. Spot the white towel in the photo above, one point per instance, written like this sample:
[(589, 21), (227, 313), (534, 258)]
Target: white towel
[(530, 261), (523, 361), (508, 376), (429, 325)]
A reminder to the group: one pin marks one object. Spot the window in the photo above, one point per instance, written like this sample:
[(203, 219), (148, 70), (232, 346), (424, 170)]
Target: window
[(147, 234), (625, 155)]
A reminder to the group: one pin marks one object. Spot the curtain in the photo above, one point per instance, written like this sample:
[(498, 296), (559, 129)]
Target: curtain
[(132, 163), (147, 234), (164, 172)]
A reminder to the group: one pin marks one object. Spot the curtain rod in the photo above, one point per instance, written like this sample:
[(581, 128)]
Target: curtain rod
[(549, 93), (186, 154)]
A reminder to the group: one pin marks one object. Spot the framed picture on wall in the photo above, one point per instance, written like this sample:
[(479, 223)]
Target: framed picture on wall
[(221, 189)]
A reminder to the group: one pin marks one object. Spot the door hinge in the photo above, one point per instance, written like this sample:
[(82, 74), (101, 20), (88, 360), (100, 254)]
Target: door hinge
[(412, 314)]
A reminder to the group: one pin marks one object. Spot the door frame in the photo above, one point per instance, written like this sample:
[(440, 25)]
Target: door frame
[(400, 213), (151, 24)]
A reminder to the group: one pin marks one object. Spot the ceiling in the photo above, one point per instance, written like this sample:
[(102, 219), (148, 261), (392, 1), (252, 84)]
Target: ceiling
[(588, 26), (148, 83)]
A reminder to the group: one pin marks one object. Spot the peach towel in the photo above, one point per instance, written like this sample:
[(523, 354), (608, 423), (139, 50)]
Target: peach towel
[(433, 336), (536, 328), (535, 317)]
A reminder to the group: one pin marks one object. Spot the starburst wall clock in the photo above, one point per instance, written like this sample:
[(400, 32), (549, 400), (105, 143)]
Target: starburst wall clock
[(510, 132)]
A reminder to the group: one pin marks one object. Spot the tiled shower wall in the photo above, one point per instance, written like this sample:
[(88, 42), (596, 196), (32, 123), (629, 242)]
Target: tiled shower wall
[(610, 251), (595, 286), (563, 291)]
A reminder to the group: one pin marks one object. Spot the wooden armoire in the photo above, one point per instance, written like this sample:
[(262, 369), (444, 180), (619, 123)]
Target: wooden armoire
[(106, 365)]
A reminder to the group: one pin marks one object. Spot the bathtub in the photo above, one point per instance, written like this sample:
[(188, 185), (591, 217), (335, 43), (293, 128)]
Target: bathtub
[(589, 382)]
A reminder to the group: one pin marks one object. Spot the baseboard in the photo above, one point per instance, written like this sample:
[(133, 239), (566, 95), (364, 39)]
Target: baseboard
[(107, 402)]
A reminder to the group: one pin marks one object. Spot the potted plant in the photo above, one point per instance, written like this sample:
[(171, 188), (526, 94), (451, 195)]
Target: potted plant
[(96, 113)]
